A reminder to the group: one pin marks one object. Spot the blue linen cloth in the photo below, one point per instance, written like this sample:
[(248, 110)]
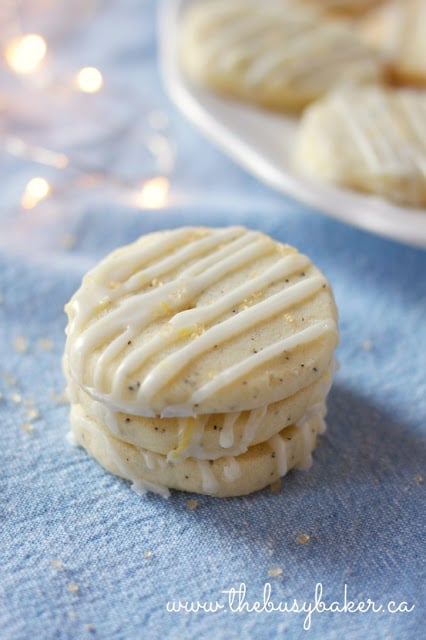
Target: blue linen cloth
[(339, 551)]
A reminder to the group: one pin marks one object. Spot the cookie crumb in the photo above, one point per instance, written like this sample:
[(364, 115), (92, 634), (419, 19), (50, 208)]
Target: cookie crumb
[(72, 587), (27, 427), (16, 398), (72, 615), (45, 344), (33, 413), (90, 628), (20, 344), (147, 554), (418, 479), (191, 505), (275, 572), (9, 379), (303, 538), (56, 564)]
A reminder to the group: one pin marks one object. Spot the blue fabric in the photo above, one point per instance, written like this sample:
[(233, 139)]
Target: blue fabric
[(81, 555)]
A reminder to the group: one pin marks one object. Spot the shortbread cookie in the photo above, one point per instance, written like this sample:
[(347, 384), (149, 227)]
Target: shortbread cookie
[(277, 54), (371, 140), (260, 466), (210, 436), (196, 320), (344, 7), (409, 60)]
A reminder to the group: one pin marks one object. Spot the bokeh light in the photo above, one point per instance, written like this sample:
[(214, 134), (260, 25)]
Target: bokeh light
[(25, 54)]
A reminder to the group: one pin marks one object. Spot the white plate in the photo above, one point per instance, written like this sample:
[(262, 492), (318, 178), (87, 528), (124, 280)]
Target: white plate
[(261, 142)]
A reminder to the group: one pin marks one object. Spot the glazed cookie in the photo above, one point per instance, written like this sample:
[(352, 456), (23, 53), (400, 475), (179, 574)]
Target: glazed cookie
[(409, 60), (371, 140), (209, 436), (280, 55), (345, 7), (198, 320), (260, 466)]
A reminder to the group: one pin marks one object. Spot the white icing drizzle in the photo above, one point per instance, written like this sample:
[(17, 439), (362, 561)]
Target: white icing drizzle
[(71, 439), (227, 376), (304, 427), (254, 422), (232, 469), (208, 480), (280, 450), (111, 333), (226, 436), (170, 366), (389, 129), (142, 487), (190, 436)]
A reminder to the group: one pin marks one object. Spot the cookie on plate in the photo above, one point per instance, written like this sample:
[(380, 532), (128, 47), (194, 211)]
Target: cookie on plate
[(371, 140), (345, 7), (198, 343), (280, 54), (409, 59)]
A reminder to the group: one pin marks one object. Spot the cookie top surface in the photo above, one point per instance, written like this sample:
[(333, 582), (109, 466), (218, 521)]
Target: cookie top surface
[(279, 54), (200, 320), (370, 138)]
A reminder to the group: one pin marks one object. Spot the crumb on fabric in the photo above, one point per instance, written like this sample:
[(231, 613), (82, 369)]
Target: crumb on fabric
[(90, 628), (303, 538), (27, 427), (192, 505), (33, 413), (72, 615), (9, 379), (16, 398), (275, 572), (367, 345), (45, 344), (56, 564), (418, 479), (147, 554), (20, 344), (72, 587)]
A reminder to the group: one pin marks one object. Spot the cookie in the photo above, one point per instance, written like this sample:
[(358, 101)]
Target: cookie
[(345, 7), (371, 140), (260, 466), (279, 55), (209, 436), (409, 55), (197, 320)]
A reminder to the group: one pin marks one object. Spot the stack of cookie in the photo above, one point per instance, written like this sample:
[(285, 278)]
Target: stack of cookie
[(200, 359)]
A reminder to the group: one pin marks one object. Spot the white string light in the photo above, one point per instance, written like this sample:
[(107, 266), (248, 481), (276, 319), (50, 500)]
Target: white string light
[(25, 54), (37, 189), (89, 80)]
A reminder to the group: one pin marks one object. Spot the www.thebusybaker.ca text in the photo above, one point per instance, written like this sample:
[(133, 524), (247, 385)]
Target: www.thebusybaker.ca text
[(236, 601)]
